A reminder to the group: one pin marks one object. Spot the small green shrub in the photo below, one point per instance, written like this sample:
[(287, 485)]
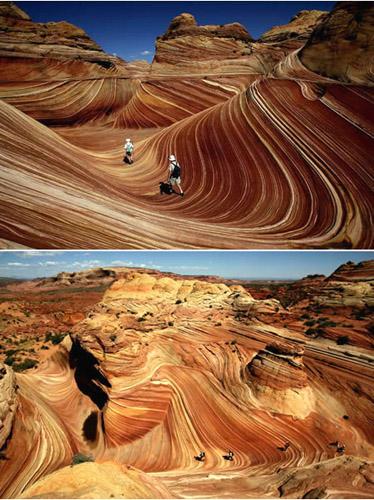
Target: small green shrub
[(25, 365), (342, 340), (79, 458), (171, 323)]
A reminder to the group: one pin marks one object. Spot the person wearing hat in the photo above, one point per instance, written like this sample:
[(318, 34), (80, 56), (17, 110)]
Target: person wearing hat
[(175, 173), (129, 149)]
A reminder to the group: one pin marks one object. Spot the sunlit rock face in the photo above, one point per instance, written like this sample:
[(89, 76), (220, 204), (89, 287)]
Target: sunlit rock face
[(8, 402), (279, 381), (93, 480), (185, 42), (363, 271), (341, 46), (22, 38)]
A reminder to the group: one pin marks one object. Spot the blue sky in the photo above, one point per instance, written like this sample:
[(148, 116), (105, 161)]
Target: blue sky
[(241, 264), (129, 29)]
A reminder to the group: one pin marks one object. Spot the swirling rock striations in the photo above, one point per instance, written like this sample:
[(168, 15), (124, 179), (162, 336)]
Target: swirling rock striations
[(162, 368), (279, 380), (341, 46)]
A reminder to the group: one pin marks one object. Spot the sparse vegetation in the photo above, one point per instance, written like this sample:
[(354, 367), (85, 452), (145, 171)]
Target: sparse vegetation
[(113, 337), (178, 301), (342, 340), (55, 338), (170, 323), (79, 458), (25, 365)]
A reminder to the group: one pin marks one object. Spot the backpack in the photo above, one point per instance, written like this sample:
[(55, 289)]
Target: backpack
[(129, 147), (176, 171)]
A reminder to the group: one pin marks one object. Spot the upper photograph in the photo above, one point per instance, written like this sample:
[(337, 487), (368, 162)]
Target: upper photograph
[(166, 125)]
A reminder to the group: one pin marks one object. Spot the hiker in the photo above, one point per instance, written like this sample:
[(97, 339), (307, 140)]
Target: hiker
[(201, 457), (229, 456), (175, 173), (129, 149)]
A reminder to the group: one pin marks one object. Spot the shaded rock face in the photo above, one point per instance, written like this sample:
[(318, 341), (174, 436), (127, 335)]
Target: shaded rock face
[(300, 27), (8, 401), (277, 377), (185, 41), (341, 46)]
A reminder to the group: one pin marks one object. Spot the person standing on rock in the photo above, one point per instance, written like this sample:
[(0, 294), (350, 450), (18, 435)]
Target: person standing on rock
[(175, 173), (129, 150)]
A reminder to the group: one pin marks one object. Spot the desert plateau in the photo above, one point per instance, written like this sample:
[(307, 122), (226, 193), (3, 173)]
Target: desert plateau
[(274, 135), (122, 382)]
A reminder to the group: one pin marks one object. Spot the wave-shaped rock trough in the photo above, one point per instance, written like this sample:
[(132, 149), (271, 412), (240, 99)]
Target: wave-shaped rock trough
[(181, 373), (265, 168)]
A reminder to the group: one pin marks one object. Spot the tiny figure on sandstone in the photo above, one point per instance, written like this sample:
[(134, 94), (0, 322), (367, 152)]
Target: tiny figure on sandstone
[(200, 457), (175, 174), (229, 456), (129, 150)]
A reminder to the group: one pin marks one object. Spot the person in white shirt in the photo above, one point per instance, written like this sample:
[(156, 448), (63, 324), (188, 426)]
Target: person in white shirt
[(175, 173), (129, 150)]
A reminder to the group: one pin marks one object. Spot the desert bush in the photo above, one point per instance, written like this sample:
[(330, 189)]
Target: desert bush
[(342, 340), (44, 347), (113, 338), (79, 458), (178, 301), (310, 322), (171, 323), (9, 360), (25, 365)]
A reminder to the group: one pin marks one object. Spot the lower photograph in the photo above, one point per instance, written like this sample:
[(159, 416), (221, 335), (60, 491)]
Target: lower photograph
[(186, 374)]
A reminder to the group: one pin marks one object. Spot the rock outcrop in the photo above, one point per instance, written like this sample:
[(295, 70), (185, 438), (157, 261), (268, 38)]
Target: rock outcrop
[(8, 402), (185, 42), (341, 46), (298, 29), (20, 37), (363, 271), (279, 381), (98, 480)]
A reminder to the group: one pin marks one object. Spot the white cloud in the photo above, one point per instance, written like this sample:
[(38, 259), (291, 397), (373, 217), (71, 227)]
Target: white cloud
[(121, 263), (50, 263), (18, 264), (37, 253), (145, 52)]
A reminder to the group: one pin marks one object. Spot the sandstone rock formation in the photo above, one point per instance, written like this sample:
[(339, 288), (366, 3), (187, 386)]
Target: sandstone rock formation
[(98, 480), (20, 37), (299, 28), (8, 402), (185, 41), (279, 381), (341, 46)]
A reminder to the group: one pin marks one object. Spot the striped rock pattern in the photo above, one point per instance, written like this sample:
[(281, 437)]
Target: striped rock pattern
[(173, 377)]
